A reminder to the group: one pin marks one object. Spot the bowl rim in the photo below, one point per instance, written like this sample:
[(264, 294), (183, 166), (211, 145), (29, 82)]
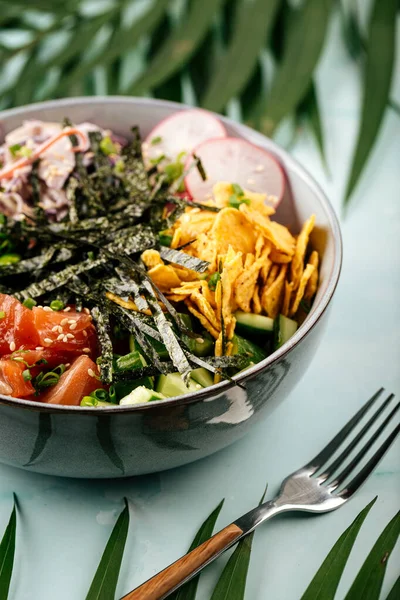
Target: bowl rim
[(318, 309)]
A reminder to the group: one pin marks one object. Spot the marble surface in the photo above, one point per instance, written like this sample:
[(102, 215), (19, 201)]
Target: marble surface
[(64, 524)]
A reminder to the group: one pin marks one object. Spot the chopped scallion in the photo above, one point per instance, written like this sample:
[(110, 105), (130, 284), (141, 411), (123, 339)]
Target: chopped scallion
[(29, 303), (212, 282), (156, 140), (57, 305), (107, 146), (26, 375)]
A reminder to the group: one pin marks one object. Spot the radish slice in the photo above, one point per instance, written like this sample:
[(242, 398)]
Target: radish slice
[(181, 132), (237, 161)]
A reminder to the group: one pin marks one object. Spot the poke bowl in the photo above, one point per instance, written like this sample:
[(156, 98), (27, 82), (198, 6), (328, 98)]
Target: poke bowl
[(165, 278)]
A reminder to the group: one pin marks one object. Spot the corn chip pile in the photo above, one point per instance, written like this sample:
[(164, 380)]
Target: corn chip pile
[(255, 265)]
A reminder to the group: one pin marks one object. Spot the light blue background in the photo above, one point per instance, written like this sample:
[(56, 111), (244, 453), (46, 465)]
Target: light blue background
[(63, 525)]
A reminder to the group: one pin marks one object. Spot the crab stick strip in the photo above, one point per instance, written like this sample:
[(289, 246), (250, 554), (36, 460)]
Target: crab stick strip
[(8, 171)]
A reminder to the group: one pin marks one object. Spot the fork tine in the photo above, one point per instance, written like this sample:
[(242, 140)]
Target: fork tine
[(356, 460), (330, 470), (318, 461), (366, 471)]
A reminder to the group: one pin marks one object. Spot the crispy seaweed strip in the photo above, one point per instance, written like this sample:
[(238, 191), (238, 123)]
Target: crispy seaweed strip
[(134, 176), (56, 280), (34, 181), (102, 321), (132, 288), (168, 337), (129, 322), (238, 361), (200, 167), (192, 204), (184, 260)]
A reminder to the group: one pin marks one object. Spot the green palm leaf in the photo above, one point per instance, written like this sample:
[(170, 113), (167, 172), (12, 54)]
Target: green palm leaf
[(378, 77), (368, 582), (7, 551), (120, 43), (394, 593), (105, 580), (326, 581), (303, 45), (189, 590), (179, 48), (309, 111), (232, 583), (234, 70)]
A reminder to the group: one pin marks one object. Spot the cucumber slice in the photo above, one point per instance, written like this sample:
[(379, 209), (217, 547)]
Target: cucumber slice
[(140, 395), (247, 348), (202, 376), (203, 348), (253, 325), (284, 328), (124, 388), (173, 385)]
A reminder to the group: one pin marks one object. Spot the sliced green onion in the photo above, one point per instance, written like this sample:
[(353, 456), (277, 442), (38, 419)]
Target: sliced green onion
[(235, 202), (9, 259), (212, 282), (119, 167), (100, 395), (133, 360), (236, 189), (26, 375), (25, 152), (14, 149), (165, 239), (90, 401), (112, 395), (156, 161), (156, 140), (2, 314), (107, 146), (57, 305), (29, 303)]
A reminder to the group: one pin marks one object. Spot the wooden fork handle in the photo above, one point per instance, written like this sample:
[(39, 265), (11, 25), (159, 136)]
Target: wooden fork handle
[(159, 585)]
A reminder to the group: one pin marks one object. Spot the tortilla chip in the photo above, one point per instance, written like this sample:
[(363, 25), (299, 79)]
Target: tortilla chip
[(312, 283), (205, 248), (272, 275), (218, 351), (286, 298), (259, 245), (164, 277), (222, 191), (176, 239), (245, 286), (175, 297), (193, 223), (279, 257), (297, 266), (309, 270), (256, 305), (205, 308), (151, 258), (129, 304), (231, 228), (205, 322), (279, 235), (249, 260), (186, 274), (271, 298), (208, 294)]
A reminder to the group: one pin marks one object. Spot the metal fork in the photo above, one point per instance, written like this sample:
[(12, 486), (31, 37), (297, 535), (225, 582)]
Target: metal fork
[(320, 486)]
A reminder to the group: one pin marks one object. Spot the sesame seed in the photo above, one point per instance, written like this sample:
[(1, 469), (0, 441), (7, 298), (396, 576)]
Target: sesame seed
[(60, 337), (59, 329), (87, 311), (259, 168), (47, 309), (199, 340), (67, 309), (73, 326), (84, 333), (39, 348), (39, 306), (65, 339), (55, 329), (91, 373), (86, 350), (48, 341), (12, 346), (67, 365), (71, 321), (64, 322), (70, 336)]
